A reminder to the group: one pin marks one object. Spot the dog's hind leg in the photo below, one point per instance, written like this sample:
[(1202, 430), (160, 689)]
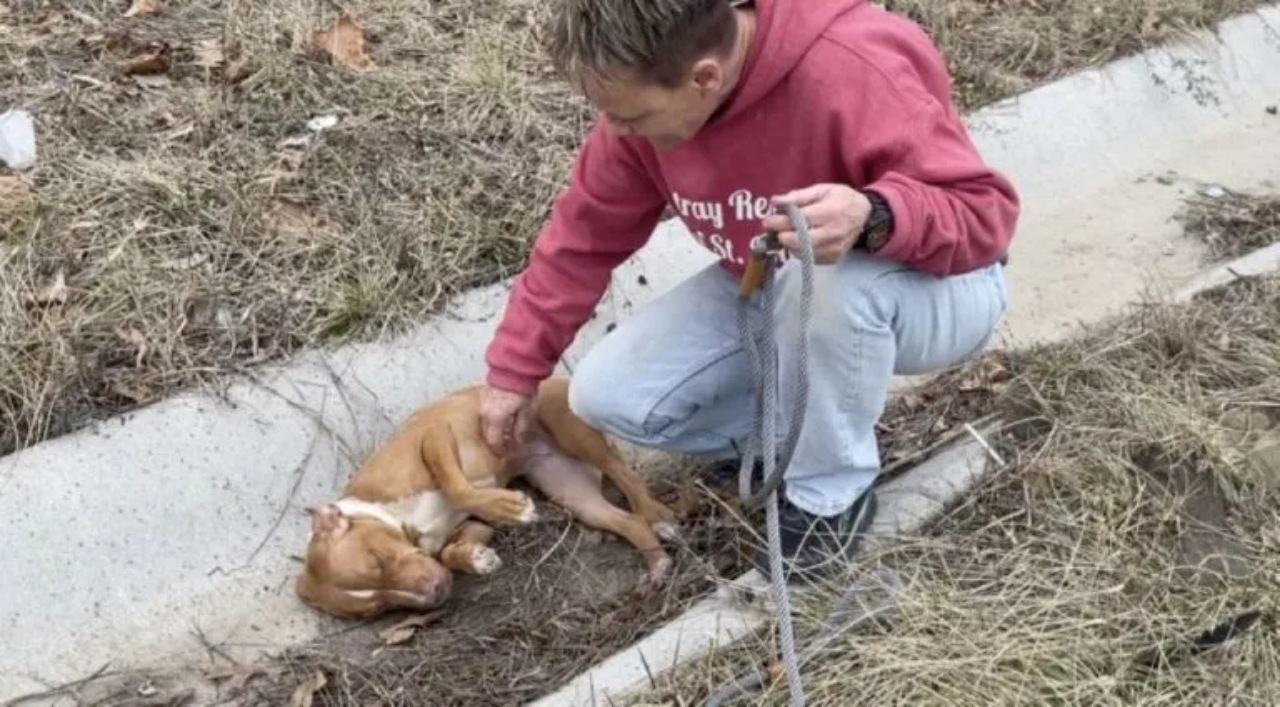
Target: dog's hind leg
[(468, 551), (575, 486), (581, 441)]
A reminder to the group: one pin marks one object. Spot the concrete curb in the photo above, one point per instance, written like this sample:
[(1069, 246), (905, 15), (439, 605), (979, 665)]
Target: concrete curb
[(125, 540)]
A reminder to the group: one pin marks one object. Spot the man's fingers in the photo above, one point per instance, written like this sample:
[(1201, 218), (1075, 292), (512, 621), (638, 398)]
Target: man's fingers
[(495, 434), (802, 197), (815, 214), (818, 238), (522, 423)]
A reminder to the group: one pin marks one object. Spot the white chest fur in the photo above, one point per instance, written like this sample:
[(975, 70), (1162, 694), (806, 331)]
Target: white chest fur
[(428, 513)]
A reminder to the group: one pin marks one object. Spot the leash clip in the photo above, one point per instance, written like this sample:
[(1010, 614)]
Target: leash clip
[(762, 250)]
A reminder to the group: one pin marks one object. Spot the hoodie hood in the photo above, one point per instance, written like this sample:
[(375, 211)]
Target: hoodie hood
[(785, 31)]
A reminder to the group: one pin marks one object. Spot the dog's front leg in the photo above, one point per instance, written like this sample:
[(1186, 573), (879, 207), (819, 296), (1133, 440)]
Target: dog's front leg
[(468, 550), (497, 506)]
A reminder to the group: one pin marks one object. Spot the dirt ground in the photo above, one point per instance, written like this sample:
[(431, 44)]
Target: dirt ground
[(222, 184)]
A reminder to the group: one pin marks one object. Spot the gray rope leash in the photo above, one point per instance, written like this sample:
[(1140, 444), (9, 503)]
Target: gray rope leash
[(764, 366), (762, 352)]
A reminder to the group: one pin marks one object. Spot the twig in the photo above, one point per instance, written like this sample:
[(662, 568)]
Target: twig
[(995, 456), (61, 689), (925, 452)]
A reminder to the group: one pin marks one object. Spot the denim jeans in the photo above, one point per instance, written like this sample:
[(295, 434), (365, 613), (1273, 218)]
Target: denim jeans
[(675, 376)]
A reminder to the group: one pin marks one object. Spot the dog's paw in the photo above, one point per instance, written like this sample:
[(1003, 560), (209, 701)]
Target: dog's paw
[(484, 560), (659, 568), (667, 531), (658, 513), (510, 507), (529, 513)]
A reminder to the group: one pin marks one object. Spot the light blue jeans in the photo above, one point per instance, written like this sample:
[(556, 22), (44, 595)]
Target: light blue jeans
[(675, 376)]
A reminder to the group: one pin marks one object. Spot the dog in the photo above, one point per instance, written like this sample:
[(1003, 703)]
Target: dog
[(425, 505)]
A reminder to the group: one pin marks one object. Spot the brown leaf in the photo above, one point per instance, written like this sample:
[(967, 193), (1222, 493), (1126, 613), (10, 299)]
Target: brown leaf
[(209, 53), (154, 61), (14, 190), (137, 340), (403, 631), (142, 7), (1151, 22), (237, 71), (48, 20), (307, 689), (55, 292), (139, 394), (344, 43), (295, 222)]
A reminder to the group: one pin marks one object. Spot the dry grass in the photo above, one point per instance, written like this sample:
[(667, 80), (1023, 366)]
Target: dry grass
[(175, 235), (1233, 223), (1137, 510), (192, 236)]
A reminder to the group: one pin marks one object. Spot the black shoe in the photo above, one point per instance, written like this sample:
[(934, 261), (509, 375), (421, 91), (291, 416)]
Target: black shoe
[(722, 476), (816, 546)]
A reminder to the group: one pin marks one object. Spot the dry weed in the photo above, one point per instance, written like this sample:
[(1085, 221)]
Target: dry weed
[(217, 189), (1137, 513), (1233, 223)]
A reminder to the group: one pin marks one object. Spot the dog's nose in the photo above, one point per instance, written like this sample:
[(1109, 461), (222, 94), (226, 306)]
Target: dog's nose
[(438, 587)]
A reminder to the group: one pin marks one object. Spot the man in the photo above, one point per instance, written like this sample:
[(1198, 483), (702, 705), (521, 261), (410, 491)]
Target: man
[(725, 111)]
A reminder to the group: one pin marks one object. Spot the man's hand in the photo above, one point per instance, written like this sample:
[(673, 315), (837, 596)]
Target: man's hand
[(836, 214), (504, 418)]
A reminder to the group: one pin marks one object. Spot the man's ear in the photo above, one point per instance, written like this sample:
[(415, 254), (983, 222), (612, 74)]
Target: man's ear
[(328, 520), (707, 75)]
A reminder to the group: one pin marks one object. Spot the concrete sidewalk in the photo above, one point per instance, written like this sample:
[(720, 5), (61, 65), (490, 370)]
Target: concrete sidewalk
[(126, 542)]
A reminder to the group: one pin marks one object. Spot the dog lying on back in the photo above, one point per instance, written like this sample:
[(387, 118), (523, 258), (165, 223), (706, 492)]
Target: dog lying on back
[(425, 505)]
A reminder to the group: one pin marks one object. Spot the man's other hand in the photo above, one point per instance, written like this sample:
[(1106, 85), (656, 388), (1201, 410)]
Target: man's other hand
[(836, 214), (504, 418)]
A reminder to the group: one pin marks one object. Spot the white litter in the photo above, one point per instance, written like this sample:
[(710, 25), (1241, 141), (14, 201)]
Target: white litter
[(17, 139), (322, 122)]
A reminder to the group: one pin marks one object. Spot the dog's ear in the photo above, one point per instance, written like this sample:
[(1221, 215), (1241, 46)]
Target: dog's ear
[(328, 520)]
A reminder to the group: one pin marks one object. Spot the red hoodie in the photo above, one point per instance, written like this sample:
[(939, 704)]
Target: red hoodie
[(832, 91)]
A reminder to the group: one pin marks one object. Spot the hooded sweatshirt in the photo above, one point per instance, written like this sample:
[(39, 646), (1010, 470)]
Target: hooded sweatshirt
[(831, 91)]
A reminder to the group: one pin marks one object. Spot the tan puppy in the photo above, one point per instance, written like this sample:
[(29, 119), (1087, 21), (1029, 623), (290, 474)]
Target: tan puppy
[(421, 505)]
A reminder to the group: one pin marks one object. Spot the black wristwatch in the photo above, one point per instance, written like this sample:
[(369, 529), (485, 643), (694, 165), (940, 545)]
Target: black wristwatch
[(879, 226)]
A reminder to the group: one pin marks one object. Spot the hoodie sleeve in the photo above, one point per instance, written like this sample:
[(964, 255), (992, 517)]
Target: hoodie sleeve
[(952, 212), (607, 213)]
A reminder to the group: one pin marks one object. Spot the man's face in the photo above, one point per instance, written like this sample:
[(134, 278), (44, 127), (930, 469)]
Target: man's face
[(665, 116)]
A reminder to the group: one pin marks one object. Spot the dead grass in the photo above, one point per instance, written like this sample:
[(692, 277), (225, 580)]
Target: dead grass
[(1137, 510), (1233, 223), (179, 229)]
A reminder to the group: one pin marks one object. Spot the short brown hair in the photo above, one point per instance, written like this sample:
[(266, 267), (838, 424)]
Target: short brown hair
[(652, 40)]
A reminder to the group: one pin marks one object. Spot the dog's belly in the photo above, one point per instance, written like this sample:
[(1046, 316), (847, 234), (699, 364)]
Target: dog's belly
[(432, 516)]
